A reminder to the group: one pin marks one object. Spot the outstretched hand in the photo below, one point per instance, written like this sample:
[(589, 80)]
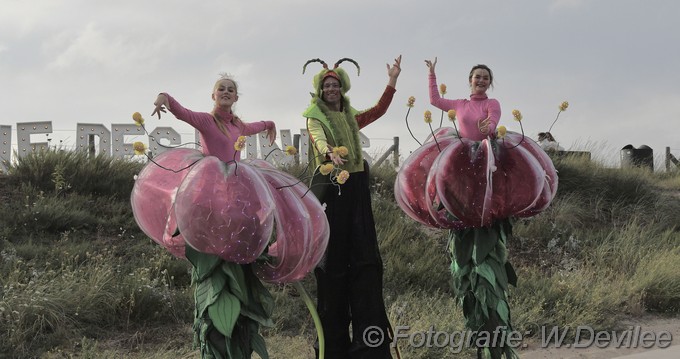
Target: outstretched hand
[(431, 65), (395, 70), (271, 134), (161, 104)]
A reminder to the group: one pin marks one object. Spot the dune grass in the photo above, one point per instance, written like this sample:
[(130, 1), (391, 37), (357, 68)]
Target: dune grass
[(79, 279)]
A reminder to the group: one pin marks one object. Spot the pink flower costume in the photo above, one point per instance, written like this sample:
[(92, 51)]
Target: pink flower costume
[(475, 185), (237, 222)]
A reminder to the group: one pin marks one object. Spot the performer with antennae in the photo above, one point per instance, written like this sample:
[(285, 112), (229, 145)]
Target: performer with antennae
[(349, 278)]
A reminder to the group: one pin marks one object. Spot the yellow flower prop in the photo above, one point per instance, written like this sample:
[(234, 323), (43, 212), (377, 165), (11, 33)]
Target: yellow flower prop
[(501, 131), (428, 116), (326, 168), (137, 117), (563, 107), (411, 101), (442, 89), (452, 115), (340, 151), (342, 177), (517, 115), (139, 147), (291, 151), (240, 143)]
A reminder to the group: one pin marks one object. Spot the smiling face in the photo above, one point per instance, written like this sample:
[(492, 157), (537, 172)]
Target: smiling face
[(225, 93), (480, 80), (331, 91)]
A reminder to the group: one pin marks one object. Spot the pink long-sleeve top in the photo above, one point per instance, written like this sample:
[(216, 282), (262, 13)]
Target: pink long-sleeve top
[(213, 141), (468, 112)]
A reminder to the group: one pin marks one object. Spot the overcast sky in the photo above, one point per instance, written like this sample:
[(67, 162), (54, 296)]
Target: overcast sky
[(615, 61)]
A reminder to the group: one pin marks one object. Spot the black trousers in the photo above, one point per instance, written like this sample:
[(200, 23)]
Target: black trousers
[(349, 278)]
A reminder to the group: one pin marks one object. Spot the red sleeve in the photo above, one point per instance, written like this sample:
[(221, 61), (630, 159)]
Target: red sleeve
[(367, 117)]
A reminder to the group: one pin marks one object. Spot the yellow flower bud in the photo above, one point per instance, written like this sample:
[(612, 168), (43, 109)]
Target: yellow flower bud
[(428, 116), (452, 115), (501, 131), (411, 101), (137, 117), (139, 147), (442, 89), (564, 105), (326, 168), (517, 115), (240, 143), (342, 177), (291, 151)]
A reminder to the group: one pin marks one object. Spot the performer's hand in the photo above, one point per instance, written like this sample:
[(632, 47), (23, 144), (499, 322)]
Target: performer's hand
[(161, 104), (271, 134), (337, 160), (431, 65), (395, 70), (483, 126)]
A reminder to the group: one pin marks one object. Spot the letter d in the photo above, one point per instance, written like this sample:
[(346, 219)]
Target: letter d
[(577, 339)]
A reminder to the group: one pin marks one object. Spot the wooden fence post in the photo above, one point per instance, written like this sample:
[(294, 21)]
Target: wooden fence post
[(670, 158), (393, 149)]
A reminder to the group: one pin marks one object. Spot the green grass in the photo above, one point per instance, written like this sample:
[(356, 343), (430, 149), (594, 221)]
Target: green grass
[(79, 279)]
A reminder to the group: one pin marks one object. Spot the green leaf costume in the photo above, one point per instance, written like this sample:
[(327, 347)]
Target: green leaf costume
[(231, 305), (481, 274)]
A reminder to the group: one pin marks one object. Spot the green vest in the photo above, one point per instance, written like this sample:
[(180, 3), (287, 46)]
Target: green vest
[(341, 129)]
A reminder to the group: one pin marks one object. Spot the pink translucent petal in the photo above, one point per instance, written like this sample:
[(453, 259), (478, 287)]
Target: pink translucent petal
[(540, 155), (321, 230), (460, 176), (154, 192), (476, 181), (550, 173), (226, 210), (435, 208), (517, 182), (294, 256), (411, 180), (293, 233)]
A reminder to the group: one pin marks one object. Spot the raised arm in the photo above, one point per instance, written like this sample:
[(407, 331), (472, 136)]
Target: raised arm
[(435, 99), (198, 120), (367, 117)]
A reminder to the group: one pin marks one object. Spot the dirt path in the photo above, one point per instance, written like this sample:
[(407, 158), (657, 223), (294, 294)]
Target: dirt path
[(659, 326)]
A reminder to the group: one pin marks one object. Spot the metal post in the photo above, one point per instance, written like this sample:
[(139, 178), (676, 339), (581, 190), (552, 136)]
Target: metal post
[(396, 152), (296, 144)]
